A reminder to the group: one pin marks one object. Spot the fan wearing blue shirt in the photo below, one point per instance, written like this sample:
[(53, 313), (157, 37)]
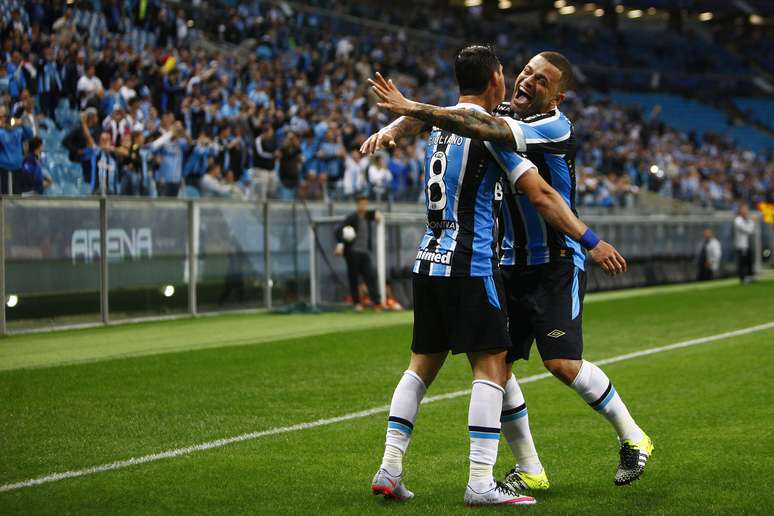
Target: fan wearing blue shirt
[(32, 178), (12, 136)]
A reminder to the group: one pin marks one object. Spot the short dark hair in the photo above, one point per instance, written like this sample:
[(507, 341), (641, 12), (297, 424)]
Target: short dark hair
[(564, 66), (361, 197), (34, 144), (473, 67)]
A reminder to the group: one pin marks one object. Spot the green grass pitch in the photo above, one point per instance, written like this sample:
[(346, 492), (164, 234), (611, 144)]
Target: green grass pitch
[(77, 399)]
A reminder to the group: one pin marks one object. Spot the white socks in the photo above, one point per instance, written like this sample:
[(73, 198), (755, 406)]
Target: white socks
[(403, 412), (515, 426), (595, 388), (486, 401)]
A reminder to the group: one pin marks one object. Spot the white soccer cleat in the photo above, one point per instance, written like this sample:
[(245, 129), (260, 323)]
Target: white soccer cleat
[(499, 494), (390, 487)]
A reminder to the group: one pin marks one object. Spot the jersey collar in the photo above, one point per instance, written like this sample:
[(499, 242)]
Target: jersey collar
[(469, 105)]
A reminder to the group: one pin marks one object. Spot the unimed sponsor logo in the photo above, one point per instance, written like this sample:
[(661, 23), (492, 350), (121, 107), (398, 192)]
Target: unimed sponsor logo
[(134, 243), (435, 257)]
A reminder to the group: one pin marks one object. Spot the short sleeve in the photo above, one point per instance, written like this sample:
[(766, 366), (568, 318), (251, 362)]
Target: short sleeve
[(520, 143), (552, 134), (513, 165)]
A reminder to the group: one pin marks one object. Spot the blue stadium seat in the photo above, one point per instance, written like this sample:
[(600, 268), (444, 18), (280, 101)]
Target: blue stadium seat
[(690, 115), (190, 192), (760, 109)]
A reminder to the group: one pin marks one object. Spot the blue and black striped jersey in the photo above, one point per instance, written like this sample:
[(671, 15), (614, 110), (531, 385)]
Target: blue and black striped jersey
[(548, 141), (460, 181)]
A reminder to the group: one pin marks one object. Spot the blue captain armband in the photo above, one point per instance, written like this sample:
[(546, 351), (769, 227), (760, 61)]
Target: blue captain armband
[(589, 240)]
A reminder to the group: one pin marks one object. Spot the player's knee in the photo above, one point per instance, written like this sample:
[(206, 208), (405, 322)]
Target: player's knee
[(491, 367), (564, 369), (426, 366)]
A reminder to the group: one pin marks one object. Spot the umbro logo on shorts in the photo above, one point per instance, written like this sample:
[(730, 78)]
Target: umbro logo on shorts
[(555, 334)]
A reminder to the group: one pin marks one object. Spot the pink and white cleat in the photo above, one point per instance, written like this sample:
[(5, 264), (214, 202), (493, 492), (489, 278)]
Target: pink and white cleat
[(499, 494), (390, 487)]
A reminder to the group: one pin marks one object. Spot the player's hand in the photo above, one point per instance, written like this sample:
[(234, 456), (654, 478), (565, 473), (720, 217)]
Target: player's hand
[(392, 99), (378, 217), (382, 139), (339, 251), (607, 257)]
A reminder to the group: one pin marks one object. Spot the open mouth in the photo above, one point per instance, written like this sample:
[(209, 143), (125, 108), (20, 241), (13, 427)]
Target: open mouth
[(522, 95)]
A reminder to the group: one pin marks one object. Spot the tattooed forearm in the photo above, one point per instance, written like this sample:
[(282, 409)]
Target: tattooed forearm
[(406, 127), (464, 122)]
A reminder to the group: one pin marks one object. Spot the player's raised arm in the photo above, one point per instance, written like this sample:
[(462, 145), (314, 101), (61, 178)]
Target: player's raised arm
[(557, 213), (461, 121), (385, 138), (524, 177)]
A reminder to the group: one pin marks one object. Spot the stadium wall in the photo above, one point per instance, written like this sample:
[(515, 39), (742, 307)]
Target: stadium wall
[(246, 256)]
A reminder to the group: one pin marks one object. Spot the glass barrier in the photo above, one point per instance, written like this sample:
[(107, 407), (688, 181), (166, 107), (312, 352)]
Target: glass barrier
[(289, 247), (147, 252), (52, 266), (52, 255), (230, 265)]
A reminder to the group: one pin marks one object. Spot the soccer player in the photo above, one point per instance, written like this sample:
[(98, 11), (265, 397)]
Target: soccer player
[(458, 297), (543, 265)]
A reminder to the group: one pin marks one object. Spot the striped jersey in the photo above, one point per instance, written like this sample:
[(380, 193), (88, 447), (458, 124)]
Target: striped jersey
[(548, 141), (461, 175)]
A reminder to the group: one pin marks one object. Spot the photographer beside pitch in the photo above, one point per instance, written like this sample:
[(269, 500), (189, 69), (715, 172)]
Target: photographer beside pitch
[(544, 268), (354, 239)]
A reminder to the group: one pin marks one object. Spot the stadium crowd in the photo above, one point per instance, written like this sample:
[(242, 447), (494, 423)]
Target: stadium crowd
[(160, 111)]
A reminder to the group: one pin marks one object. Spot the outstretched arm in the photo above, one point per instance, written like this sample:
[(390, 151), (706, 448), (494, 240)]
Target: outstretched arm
[(558, 214), (461, 121), (402, 127)]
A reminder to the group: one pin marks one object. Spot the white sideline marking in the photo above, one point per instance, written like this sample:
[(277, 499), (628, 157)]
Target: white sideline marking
[(55, 477)]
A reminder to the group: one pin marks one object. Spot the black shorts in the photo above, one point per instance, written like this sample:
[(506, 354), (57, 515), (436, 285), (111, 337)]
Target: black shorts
[(545, 304), (461, 314)]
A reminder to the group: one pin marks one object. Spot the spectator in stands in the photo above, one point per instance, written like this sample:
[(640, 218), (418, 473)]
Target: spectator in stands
[(171, 146), (744, 229), (314, 85), (50, 85), (5, 81), (354, 180), (113, 98), (264, 177), (66, 22), (131, 164), (213, 185), (117, 124), (331, 157), (23, 111), (290, 162), (378, 177), (89, 88), (12, 137), (67, 65), (710, 253), (75, 141), (399, 174), (356, 249), (101, 162), (197, 162), (17, 76), (33, 180)]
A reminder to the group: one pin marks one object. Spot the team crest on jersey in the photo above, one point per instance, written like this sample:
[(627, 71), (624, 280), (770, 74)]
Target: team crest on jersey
[(555, 334), (498, 191)]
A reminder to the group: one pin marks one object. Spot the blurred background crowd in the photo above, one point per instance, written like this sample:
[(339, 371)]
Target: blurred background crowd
[(262, 99)]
